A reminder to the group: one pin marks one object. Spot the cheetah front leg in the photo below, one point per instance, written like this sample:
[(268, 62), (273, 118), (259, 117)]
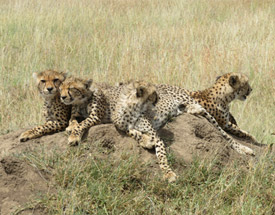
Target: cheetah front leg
[(96, 111), (154, 140), (235, 130), (197, 109), (73, 122), (48, 128), (72, 125), (77, 133)]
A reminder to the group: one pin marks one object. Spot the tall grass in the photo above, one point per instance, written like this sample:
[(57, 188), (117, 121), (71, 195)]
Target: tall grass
[(181, 42), (186, 43)]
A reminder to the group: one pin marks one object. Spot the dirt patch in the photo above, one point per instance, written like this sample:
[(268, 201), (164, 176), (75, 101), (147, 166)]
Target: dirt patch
[(187, 137), (19, 182)]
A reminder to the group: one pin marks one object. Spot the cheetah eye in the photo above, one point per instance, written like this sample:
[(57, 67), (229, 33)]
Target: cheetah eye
[(72, 89), (43, 81), (55, 80), (75, 90)]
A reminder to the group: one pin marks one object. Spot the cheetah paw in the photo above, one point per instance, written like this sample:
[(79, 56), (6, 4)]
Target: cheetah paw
[(73, 124), (146, 142), (246, 150), (170, 176), (27, 135), (195, 109), (74, 140)]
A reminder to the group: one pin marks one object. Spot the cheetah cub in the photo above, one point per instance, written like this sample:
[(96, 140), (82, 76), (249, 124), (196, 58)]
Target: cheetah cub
[(57, 114), (217, 98), (122, 105), (88, 106), (134, 100)]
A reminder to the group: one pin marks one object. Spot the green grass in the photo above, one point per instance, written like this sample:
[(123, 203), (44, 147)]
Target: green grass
[(85, 184), (180, 42)]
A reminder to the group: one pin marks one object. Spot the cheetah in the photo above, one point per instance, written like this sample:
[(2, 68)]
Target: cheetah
[(217, 98), (174, 101), (57, 114), (88, 106), (122, 105), (134, 100)]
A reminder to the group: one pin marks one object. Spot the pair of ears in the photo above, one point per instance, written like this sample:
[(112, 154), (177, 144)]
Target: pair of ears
[(36, 74), (87, 83)]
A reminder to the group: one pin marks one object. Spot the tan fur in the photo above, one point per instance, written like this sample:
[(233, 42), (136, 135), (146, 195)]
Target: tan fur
[(122, 105), (217, 98), (56, 113), (174, 101), (88, 106), (135, 99)]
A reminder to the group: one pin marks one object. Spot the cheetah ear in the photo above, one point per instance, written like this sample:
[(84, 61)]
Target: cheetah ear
[(154, 98), (218, 78), (88, 83), (64, 74), (233, 80), (140, 92)]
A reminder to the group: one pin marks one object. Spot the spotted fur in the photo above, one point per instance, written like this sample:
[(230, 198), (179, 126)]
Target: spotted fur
[(88, 106), (134, 100), (217, 98), (173, 101), (122, 105), (56, 113)]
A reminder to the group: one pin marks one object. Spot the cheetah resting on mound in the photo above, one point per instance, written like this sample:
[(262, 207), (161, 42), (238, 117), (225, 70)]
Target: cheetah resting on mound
[(123, 105), (217, 98), (57, 114), (173, 101)]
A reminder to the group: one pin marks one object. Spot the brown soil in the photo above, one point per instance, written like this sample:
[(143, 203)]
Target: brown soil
[(187, 137)]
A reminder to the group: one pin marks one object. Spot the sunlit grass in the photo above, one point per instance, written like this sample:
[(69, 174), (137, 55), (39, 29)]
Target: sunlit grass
[(180, 42), (186, 43)]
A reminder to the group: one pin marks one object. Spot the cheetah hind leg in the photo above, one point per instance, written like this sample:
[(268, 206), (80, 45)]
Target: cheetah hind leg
[(149, 141), (195, 109)]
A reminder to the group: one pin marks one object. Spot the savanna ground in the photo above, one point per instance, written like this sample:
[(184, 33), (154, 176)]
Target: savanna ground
[(181, 42)]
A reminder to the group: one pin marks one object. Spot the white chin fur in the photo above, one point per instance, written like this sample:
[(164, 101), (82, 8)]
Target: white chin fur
[(67, 102)]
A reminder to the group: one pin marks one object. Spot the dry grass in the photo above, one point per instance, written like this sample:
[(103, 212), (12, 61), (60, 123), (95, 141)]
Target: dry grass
[(186, 43), (180, 42)]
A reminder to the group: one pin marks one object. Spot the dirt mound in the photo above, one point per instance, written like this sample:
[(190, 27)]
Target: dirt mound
[(19, 182), (187, 137)]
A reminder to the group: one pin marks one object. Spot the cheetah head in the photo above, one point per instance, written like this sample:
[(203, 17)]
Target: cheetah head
[(144, 93), (48, 82), (75, 90), (237, 85)]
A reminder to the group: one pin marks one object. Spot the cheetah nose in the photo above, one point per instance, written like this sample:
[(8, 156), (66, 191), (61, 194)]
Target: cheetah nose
[(63, 97), (50, 89)]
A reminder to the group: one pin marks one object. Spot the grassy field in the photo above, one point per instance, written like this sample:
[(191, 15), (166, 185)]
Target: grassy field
[(181, 42)]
